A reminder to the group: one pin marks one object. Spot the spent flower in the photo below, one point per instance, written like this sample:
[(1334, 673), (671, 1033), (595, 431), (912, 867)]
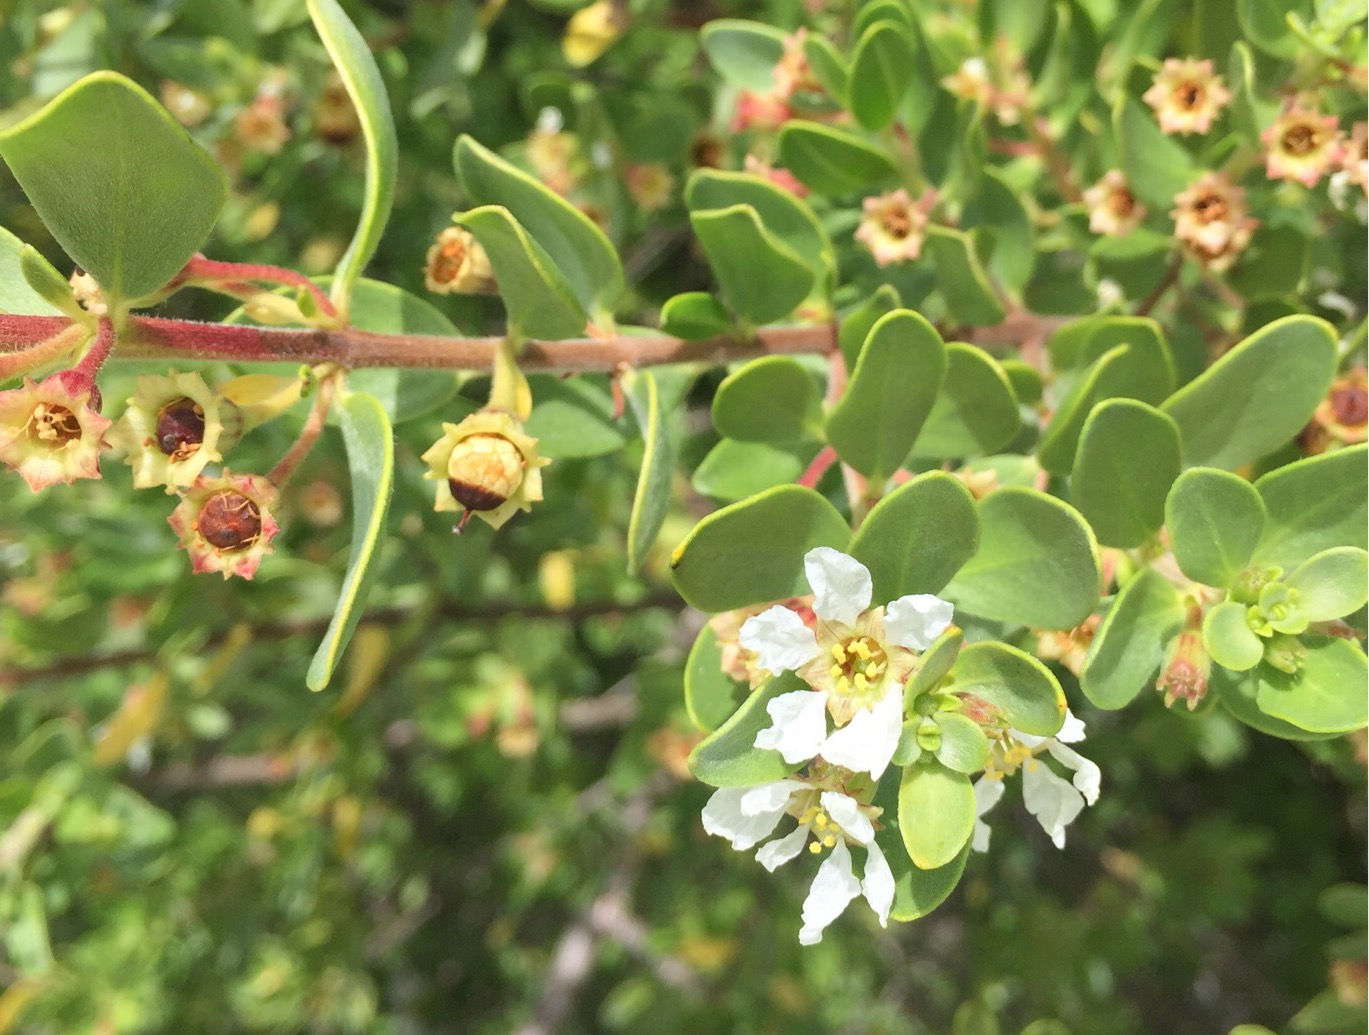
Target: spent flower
[(457, 263), (893, 226), (51, 430), (1302, 146), (486, 465), (1212, 220), (225, 523), (1113, 208), (1187, 96), (174, 426)]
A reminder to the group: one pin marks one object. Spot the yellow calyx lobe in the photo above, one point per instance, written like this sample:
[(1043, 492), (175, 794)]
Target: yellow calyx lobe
[(484, 471)]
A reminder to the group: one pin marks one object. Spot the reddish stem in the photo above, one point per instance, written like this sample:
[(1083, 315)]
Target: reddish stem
[(229, 277), (826, 457), (313, 427), (84, 372)]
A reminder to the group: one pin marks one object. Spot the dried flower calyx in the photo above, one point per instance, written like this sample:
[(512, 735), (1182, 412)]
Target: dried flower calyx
[(51, 430), (225, 523), (486, 465), (174, 426)]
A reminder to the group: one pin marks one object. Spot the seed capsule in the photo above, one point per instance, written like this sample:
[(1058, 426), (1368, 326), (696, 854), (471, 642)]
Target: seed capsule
[(484, 471), (180, 428), (229, 521)]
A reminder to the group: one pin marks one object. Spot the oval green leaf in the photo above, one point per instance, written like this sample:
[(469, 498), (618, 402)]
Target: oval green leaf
[(1129, 646), (975, 412), (881, 69), (710, 694), (730, 758), (1325, 696), (1014, 682), (733, 470), (964, 747), (695, 315), (831, 161), (771, 399), (1156, 165), (761, 277), (960, 277), (1215, 519), (916, 538), (1331, 584), (936, 813), (17, 295), (1313, 505), (573, 417), (916, 892), (742, 52), (1229, 639), (1128, 458)]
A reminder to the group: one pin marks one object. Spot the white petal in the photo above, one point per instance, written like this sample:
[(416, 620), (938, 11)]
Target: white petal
[(1072, 731), (1088, 777), (768, 797), (800, 725), (979, 840), (878, 885), (841, 584), (780, 639), (867, 742), (916, 621), (780, 851), (1053, 801), (845, 811), (833, 889), (987, 793), (723, 816)]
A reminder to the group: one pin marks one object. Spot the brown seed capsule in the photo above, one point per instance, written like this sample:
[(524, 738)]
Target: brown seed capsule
[(180, 428), (229, 521), (484, 471)]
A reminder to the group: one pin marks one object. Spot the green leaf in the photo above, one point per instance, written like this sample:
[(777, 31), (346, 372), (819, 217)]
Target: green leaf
[(1313, 505), (771, 399), (961, 279), (753, 551), (856, 325), (1264, 23), (730, 758), (934, 664), (1272, 265), (936, 813), (370, 448), (829, 68), (916, 892), (742, 52), (695, 315), (831, 161), (761, 277), (1146, 369), (1157, 166), (890, 393), (964, 746), (577, 248), (1215, 519), (1229, 639), (539, 301), (710, 694), (1128, 458), (881, 69), (117, 181), (1014, 682), (1325, 696), (16, 294), (573, 417), (651, 502), (1237, 691), (1129, 646), (1037, 563), (1257, 396), (916, 538), (1060, 440), (999, 209), (880, 10), (975, 412), (1331, 584), (352, 57), (733, 470)]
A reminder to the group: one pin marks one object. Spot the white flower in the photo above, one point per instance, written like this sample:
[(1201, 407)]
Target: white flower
[(856, 660), (1052, 799), (748, 815)]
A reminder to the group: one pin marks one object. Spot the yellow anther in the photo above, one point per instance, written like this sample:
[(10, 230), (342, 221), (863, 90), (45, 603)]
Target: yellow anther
[(861, 682), (839, 653), (829, 841), (836, 671), (820, 820), (862, 648), (815, 848)]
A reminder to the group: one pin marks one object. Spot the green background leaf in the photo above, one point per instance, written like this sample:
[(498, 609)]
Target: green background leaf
[(651, 502), (761, 277), (771, 399), (916, 538)]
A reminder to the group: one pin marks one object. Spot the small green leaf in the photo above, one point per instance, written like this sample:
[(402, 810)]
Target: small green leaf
[(964, 747), (730, 758), (1215, 519), (771, 399), (936, 813), (1129, 646), (976, 410), (890, 393), (117, 181), (829, 68), (1128, 458), (695, 315), (539, 301), (573, 417), (916, 538), (1156, 165), (881, 69), (880, 10), (1229, 639), (1313, 505), (831, 161), (856, 325), (1037, 563), (733, 470), (710, 694), (1325, 696), (352, 57), (1060, 440), (753, 551), (1272, 265), (761, 277), (1014, 682), (1257, 396), (916, 892), (651, 502), (742, 52), (934, 663), (999, 209), (1146, 369), (961, 279), (371, 459), (1331, 584), (1265, 24), (577, 248), (17, 295)]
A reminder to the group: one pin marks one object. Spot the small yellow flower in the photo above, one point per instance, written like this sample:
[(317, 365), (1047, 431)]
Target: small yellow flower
[(1212, 220), (457, 263), (1113, 209), (893, 226), (486, 466), (1301, 145), (50, 432), (1187, 96), (174, 426)]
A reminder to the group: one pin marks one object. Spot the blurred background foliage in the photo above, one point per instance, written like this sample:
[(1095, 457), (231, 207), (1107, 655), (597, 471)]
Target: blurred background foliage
[(486, 824)]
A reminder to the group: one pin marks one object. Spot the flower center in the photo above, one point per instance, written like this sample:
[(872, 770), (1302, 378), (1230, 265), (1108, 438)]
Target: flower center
[(449, 259), (1189, 95), (484, 471), (229, 521), (815, 818), (53, 425), (858, 663), (896, 223), (1121, 202), (1301, 139), (180, 428), (1008, 756), (1351, 404), (1210, 208)]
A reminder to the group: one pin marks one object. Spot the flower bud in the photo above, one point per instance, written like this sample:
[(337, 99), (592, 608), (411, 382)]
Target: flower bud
[(485, 466), (225, 523), (51, 431), (1285, 653), (1186, 669), (175, 425)]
